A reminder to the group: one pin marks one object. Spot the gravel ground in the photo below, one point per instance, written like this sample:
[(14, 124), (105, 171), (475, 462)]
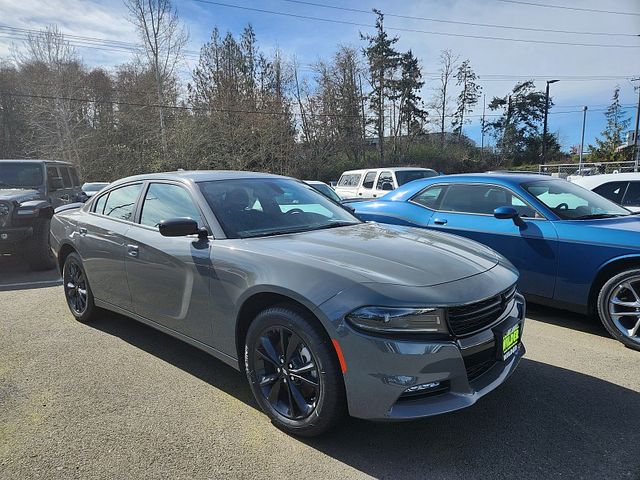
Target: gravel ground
[(117, 399)]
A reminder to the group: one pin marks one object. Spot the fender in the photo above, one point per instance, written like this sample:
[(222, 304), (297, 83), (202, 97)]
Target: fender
[(34, 209)]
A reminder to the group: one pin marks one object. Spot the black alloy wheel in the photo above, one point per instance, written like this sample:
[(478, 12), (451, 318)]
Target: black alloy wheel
[(287, 373), (293, 371)]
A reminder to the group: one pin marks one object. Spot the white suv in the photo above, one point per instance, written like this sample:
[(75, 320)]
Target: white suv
[(621, 188), (376, 182)]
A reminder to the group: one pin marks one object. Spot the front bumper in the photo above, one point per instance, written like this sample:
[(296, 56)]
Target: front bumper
[(11, 237), (380, 370)]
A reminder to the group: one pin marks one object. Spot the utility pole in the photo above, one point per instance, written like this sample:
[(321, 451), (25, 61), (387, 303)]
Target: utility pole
[(544, 129), (584, 121), (484, 102), (636, 151)]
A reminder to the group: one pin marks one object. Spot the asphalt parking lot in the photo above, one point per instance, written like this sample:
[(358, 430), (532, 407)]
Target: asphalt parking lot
[(117, 399)]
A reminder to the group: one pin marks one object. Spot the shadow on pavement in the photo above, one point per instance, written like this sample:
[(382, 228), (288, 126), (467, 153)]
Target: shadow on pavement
[(545, 422), (15, 274), (563, 318)]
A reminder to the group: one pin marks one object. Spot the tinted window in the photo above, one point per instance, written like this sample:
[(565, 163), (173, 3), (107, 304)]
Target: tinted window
[(349, 180), (122, 201), (99, 205), (52, 172), (632, 197), (66, 177), (406, 176), (612, 190), (74, 177), (369, 178), (482, 199), (164, 201), (385, 177), (20, 174), (259, 207), (326, 190), (430, 197)]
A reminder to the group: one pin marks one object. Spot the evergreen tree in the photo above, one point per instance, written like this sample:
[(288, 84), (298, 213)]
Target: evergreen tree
[(469, 94), (412, 113), (383, 62), (617, 123)]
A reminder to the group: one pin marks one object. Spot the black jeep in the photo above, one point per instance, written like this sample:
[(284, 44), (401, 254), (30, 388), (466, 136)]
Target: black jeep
[(30, 190)]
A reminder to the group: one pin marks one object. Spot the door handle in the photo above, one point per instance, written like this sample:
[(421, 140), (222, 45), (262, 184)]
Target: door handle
[(82, 231), (439, 221), (375, 195), (360, 193), (132, 250)]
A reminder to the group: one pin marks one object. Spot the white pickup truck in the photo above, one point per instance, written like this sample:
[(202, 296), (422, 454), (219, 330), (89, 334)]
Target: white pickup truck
[(376, 182)]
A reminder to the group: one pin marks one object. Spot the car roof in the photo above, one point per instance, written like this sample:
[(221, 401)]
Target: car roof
[(36, 160), (198, 176), (385, 169)]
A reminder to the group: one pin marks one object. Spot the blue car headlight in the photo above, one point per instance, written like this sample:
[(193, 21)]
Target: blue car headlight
[(399, 320)]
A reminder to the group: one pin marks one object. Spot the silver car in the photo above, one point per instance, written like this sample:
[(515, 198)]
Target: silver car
[(325, 314)]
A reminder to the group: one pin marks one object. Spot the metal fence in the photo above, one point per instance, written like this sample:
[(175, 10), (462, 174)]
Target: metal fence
[(596, 168)]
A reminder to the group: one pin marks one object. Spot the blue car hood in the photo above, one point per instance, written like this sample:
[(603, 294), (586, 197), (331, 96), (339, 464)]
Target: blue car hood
[(622, 231)]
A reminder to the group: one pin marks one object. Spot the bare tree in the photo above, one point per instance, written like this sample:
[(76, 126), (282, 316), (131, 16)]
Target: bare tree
[(163, 38), (448, 64)]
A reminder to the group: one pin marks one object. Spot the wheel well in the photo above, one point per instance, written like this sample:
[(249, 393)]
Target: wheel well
[(605, 274), (251, 307), (63, 254)]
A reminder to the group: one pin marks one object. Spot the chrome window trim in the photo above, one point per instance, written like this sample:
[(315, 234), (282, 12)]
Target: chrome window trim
[(447, 184)]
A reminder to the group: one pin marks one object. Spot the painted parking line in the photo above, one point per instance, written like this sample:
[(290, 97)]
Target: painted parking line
[(52, 283)]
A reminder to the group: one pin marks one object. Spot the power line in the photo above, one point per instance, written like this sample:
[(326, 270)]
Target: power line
[(411, 30), (457, 22), (563, 7), (227, 110)]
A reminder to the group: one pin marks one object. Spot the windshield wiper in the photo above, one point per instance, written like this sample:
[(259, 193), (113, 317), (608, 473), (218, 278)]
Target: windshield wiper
[(300, 229), (594, 216)]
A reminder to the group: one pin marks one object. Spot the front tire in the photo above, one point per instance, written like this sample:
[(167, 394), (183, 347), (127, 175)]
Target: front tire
[(619, 307), (77, 290), (38, 252), (293, 371)]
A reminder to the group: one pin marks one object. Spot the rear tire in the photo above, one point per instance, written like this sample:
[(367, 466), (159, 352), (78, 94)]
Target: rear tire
[(38, 252), (286, 353), (77, 290), (619, 307)]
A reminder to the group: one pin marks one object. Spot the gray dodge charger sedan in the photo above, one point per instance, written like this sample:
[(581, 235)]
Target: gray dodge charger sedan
[(324, 313)]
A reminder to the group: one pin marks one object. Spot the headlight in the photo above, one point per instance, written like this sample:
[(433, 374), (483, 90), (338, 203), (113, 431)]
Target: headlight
[(399, 320)]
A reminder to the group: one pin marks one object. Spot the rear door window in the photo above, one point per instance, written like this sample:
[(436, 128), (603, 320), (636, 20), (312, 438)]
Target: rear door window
[(74, 177), (121, 202), (385, 177), (613, 191), (632, 196)]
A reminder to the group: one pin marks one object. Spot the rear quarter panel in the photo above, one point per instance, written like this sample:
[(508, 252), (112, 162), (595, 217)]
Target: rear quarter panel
[(397, 213)]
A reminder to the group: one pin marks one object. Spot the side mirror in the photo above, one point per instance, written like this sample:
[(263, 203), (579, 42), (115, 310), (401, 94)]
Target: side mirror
[(180, 227), (504, 213), (56, 183), (387, 186)]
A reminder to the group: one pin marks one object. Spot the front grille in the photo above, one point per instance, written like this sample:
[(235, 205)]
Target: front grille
[(470, 318)]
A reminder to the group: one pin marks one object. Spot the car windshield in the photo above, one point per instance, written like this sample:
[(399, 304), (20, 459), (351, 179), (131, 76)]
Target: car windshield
[(406, 176), (326, 190), (572, 202), (20, 175), (259, 207)]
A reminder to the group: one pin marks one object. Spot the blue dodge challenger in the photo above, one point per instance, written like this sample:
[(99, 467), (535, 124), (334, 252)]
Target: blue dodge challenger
[(574, 249)]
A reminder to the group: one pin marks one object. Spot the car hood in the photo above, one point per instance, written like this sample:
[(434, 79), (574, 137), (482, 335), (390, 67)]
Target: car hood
[(621, 231), (18, 194), (385, 253)]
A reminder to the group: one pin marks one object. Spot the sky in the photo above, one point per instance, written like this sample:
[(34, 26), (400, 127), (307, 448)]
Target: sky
[(588, 74)]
